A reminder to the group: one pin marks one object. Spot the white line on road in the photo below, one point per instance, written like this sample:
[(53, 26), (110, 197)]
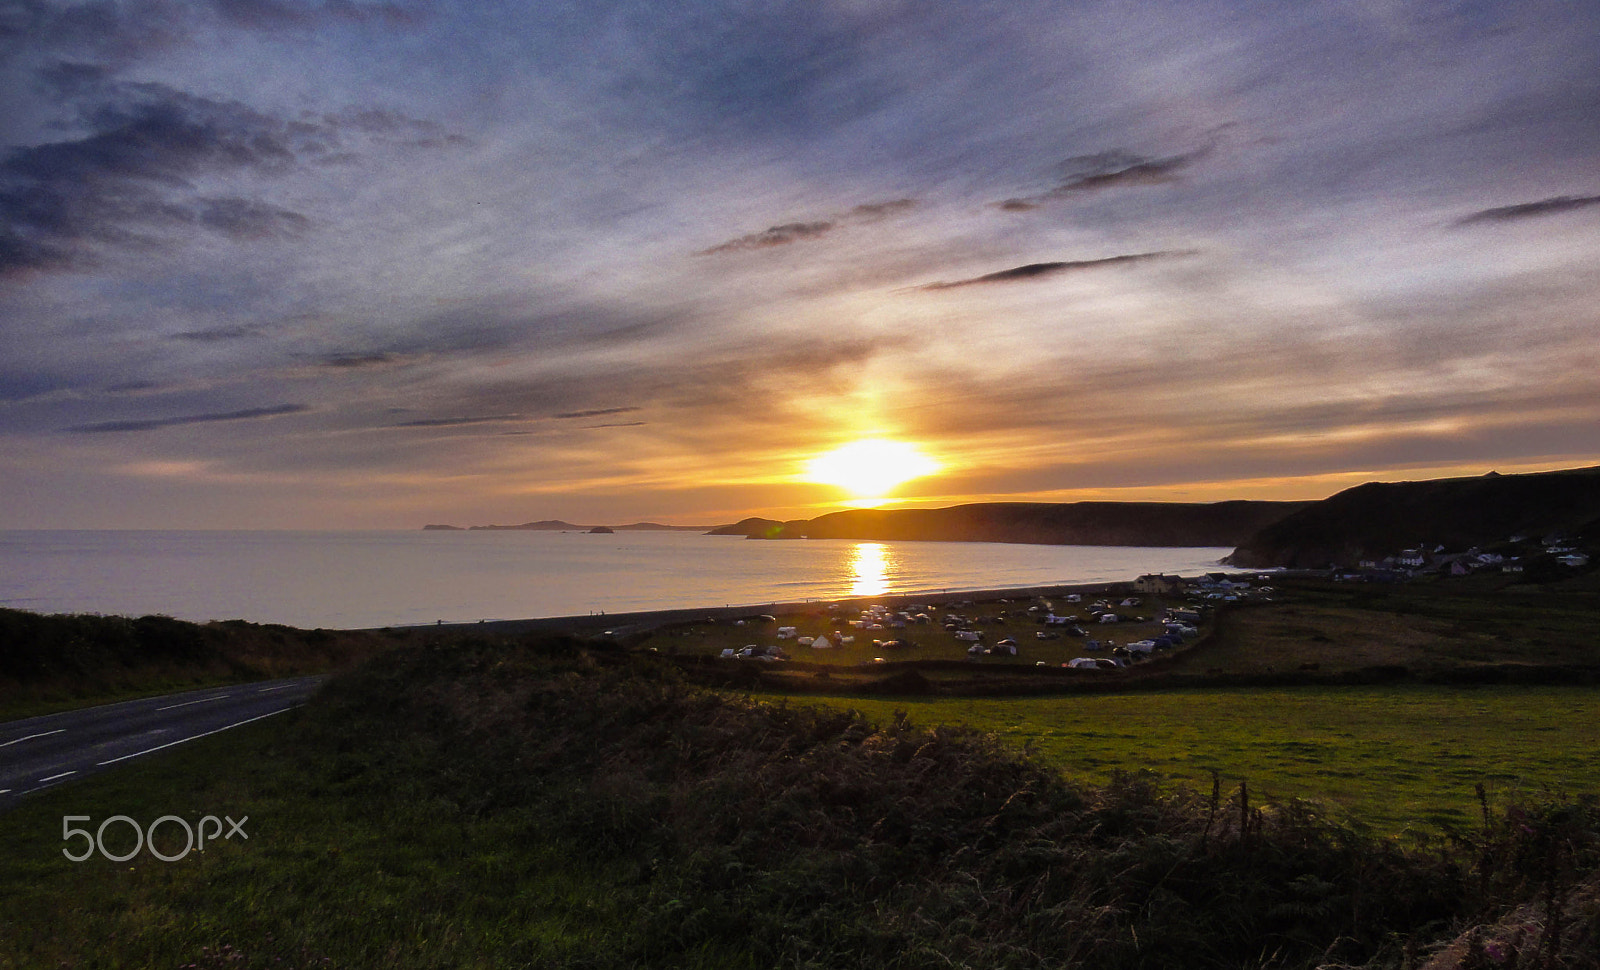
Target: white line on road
[(54, 777), (191, 738), (263, 690), (200, 701), (30, 737)]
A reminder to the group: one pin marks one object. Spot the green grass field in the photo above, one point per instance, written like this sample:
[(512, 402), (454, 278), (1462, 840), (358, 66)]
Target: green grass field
[(1424, 627), (490, 805), (1398, 758), (349, 862)]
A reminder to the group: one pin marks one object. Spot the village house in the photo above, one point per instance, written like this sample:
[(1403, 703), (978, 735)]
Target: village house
[(1158, 583)]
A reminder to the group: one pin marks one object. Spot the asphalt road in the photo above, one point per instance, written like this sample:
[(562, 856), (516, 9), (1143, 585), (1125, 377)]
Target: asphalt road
[(41, 752)]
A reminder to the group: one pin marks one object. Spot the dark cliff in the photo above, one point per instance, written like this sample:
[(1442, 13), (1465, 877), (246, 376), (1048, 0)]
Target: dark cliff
[(1381, 518)]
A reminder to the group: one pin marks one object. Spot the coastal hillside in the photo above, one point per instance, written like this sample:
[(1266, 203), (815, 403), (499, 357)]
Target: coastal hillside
[(1380, 519), (1075, 523)]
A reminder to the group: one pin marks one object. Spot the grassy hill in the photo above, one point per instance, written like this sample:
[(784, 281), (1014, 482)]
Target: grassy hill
[(1381, 518)]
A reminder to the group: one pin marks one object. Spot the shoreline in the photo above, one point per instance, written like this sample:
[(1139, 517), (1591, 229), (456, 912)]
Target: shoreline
[(640, 621)]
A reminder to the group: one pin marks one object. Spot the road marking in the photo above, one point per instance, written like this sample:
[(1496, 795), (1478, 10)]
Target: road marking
[(263, 690), (30, 737), (5, 791), (191, 738), (202, 700), (54, 777)]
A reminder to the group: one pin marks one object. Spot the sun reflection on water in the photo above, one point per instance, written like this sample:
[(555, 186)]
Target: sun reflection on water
[(869, 566)]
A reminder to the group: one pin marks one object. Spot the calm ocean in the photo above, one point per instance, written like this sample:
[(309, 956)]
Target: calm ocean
[(370, 579)]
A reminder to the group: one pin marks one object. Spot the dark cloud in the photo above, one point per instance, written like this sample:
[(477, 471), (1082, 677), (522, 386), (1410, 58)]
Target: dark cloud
[(1036, 270), (21, 385), (245, 219), (131, 180), (457, 422), (135, 387), (1105, 170), (219, 334), (73, 79), (21, 254), (598, 412), (873, 211), (775, 236), (125, 182), (149, 424), (791, 232), (121, 31), (1529, 210), (355, 361), (104, 30)]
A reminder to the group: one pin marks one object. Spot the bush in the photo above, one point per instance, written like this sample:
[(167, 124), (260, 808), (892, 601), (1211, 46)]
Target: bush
[(810, 837)]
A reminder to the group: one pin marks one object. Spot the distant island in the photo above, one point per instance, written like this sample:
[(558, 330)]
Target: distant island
[(557, 525)]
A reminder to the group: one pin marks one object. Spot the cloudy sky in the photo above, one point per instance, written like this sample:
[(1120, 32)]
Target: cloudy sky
[(338, 263)]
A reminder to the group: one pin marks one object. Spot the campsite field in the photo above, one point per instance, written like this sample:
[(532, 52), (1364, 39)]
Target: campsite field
[(1396, 757), (995, 619)]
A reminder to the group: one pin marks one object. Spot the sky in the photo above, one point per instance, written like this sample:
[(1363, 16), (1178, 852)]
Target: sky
[(348, 264)]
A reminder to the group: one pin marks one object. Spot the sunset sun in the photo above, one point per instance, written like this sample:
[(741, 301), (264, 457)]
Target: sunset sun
[(870, 468)]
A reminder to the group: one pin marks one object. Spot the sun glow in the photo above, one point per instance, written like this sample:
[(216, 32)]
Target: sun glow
[(870, 468)]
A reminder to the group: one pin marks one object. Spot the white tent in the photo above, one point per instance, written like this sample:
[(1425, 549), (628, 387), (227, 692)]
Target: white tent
[(821, 643)]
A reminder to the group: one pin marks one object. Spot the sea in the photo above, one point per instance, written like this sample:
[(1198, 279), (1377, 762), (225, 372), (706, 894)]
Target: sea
[(369, 579)]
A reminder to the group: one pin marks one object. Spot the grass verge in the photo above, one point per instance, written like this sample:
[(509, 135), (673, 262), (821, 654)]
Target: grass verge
[(59, 662), (543, 803)]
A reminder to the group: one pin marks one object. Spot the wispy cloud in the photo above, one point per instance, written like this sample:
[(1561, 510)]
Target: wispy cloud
[(357, 361), (1530, 210), (1105, 170), (597, 412), (150, 424), (791, 232), (457, 422), (1033, 271), (219, 334), (780, 235)]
